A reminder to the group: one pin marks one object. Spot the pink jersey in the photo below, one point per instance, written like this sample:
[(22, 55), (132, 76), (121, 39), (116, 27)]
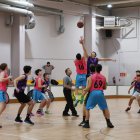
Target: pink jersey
[(98, 82), (36, 83), (3, 85), (81, 66)]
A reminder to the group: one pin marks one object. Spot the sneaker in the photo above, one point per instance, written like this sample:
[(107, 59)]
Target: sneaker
[(76, 103), (75, 115), (138, 111), (40, 113), (86, 125), (38, 101), (82, 123), (127, 109), (110, 125), (31, 114), (47, 112), (18, 119), (27, 120), (66, 115)]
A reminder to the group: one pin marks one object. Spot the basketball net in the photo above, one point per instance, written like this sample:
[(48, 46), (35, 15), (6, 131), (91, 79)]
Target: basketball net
[(81, 19)]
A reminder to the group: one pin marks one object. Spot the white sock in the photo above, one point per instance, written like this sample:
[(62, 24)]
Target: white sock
[(76, 96)]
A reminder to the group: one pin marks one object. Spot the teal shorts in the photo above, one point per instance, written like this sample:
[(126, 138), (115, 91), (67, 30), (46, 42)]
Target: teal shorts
[(2, 96), (96, 97), (80, 80), (38, 95)]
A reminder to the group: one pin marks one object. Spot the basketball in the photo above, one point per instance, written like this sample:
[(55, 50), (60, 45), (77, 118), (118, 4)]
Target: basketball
[(80, 24)]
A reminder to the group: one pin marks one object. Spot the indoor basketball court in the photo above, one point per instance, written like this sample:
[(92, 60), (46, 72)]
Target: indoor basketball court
[(69, 69), (54, 126)]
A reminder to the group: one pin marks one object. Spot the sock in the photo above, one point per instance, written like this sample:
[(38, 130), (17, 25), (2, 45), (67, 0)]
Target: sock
[(28, 116), (107, 120), (84, 118), (47, 109), (76, 96), (18, 115), (87, 121)]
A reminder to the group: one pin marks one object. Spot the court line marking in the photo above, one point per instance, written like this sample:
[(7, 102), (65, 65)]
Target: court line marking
[(102, 132), (6, 134), (86, 135)]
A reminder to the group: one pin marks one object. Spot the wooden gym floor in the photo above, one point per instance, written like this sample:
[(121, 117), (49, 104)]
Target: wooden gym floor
[(56, 127)]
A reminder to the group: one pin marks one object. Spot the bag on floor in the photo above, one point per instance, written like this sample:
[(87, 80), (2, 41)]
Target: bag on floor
[(54, 82)]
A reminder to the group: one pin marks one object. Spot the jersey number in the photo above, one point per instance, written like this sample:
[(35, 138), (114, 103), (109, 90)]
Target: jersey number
[(98, 84), (81, 67)]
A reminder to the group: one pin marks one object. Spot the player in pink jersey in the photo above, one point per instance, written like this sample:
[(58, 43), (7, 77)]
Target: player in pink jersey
[(80, 64), (37, 92), (81, 70), (4, 80), (96, 84)]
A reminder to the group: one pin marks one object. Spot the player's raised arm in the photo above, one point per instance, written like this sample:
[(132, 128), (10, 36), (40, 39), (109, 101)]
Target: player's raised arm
[(106, 59), (81, 41)]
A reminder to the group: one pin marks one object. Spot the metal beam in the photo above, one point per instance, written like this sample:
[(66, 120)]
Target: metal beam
[(103, 2), (67, 7), (16, 3)]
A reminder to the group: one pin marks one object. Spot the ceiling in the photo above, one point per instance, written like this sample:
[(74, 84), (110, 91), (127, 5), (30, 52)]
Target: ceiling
[(63, 5), (103, 3)]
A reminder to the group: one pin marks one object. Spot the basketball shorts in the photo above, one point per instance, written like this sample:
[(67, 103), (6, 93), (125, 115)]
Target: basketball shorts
[(22, 97), (96, 97), (80, 80), (136, 94), (2, 96), (38, 95)]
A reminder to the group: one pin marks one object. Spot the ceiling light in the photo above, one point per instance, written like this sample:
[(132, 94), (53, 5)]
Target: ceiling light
[(109, 6)]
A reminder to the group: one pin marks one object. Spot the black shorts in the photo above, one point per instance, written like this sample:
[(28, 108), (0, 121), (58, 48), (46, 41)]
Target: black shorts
[(22, 97), (85, 102)]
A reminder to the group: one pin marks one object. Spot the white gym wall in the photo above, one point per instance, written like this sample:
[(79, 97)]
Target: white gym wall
[(124, 46), (5, 41), (43, 44)]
